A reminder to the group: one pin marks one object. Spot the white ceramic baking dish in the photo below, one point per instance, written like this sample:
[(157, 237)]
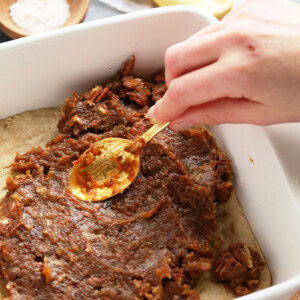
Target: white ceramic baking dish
[(39, 71)]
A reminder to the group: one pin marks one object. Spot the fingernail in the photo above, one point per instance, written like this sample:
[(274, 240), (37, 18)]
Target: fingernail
[(181, 126), (150, 114)]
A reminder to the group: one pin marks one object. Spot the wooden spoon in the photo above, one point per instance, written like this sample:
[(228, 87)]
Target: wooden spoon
[(78, 10), (109, 166)]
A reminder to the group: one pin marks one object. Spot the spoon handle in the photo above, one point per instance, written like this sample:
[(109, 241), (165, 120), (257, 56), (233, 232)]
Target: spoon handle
[(153, 131)]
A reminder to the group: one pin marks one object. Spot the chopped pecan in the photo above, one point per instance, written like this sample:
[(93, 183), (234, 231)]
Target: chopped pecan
[(240, 267), (137, 97), (46, 270), (160, 77), (158, 91), (137, 89), (128, 66), (95, 92), (102, 94)]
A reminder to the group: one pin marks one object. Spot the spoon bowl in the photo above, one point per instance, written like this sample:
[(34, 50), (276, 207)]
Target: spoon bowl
[(78, 10), (109, 166)]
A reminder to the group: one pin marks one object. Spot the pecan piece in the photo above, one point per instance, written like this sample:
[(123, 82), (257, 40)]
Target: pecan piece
[(240, 267)]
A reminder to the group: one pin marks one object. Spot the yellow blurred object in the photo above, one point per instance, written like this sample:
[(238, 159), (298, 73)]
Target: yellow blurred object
[(219, 8)]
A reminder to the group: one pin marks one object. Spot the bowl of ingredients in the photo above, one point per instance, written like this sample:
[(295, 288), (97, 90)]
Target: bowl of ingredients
[(25, 17), (218, 8), (212, 213)]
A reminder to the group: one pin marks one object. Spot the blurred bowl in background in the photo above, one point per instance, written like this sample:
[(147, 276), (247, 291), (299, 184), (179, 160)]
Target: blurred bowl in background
[(78, 10)]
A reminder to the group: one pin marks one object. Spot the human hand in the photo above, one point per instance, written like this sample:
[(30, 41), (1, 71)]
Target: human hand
[(244, 69)]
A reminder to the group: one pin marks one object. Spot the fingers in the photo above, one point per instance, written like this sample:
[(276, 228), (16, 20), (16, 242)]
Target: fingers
[(232, 111), (192, 54), (223, 111), (207, 84)]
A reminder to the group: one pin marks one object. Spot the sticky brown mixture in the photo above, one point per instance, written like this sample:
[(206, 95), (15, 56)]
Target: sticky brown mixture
[(151, 242)]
